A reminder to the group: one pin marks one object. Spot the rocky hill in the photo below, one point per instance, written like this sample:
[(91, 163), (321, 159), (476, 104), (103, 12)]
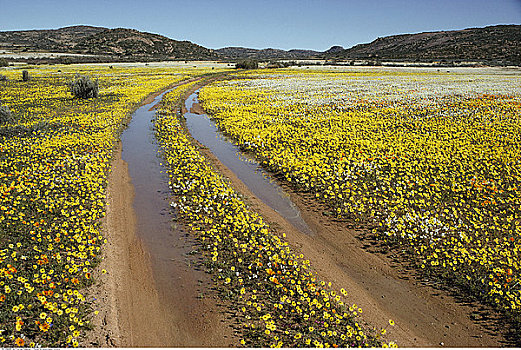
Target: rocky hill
[(116, 43), (493, 44), (53, 40), (136, 44)]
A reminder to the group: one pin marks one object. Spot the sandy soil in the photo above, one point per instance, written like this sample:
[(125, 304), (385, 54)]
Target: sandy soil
[(128, 302), (425, 315), (197, 109)]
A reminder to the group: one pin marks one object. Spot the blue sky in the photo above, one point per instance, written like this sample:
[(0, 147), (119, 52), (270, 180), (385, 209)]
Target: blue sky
[(284, 24)]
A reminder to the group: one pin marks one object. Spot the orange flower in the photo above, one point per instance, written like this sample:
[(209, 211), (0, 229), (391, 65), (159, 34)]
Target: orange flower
[(44, 327), (19, 342)]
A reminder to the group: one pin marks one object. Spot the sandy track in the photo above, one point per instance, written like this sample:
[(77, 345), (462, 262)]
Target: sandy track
[(128, 302), (154, 294)]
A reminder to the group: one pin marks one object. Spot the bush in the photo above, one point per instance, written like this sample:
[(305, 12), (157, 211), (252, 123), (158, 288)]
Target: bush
[(5, 115), (84, 87), (281, 64), (25, 76), (3, 62), (3, 77), (28, 130), (247, 64)]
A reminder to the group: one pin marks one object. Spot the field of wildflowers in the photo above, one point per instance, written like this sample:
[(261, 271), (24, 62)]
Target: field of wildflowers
[(278, 300), (430, 160), (54, 161)]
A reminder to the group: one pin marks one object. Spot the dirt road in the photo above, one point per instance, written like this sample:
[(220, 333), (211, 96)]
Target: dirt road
[(154, 294)]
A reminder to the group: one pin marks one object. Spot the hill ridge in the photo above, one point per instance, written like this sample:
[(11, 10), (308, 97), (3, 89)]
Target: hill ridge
[(115, 43), (496, 45), (491, 43)]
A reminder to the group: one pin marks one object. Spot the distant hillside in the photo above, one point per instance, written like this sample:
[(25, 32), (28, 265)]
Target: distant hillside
[(110, 43), (494, 43), (334, 50), (55, 40), (499, 44), (130, 42), (235, 53)]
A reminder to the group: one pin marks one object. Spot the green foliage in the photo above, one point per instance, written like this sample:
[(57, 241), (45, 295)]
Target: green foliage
[(3, 62), (247, 64), (5, 115), (29, 130), (84, 87), (281, 64)]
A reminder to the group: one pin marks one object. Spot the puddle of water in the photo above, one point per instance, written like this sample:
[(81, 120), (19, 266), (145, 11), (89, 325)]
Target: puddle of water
[(139, 150), (204, 130)]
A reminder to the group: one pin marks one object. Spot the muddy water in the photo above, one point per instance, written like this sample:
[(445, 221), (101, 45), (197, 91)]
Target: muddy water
[(171, 250), (204, 130)]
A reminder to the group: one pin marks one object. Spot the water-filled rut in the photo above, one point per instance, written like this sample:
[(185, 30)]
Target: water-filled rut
[(204, 130), (179, 315)]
